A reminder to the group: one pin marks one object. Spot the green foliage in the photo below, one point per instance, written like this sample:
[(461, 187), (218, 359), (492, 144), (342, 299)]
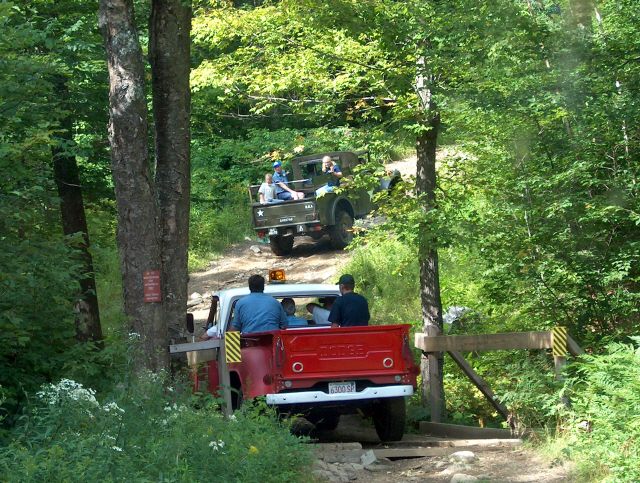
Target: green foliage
[(603, 427), (387, 274), (147, 431)]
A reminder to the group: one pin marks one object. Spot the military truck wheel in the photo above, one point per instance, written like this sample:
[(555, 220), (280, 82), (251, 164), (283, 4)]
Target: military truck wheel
[(341, 233), (389, 417), (281, 245)]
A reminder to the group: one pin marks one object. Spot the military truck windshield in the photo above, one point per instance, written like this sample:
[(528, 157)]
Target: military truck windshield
[(311, 168)]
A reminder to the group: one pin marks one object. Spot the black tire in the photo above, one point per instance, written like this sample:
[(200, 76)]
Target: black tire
[(389, 417), (341, 233), (281, 245), (328, 422)]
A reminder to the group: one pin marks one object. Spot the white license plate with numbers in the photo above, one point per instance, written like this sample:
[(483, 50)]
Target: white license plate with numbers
[(273, 231), (342, 387)]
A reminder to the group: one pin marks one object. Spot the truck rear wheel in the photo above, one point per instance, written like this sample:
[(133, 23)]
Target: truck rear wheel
[(341, 233), (281, 245), (389, 417)]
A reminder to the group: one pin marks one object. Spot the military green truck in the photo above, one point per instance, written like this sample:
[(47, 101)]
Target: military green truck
[(315, 216)]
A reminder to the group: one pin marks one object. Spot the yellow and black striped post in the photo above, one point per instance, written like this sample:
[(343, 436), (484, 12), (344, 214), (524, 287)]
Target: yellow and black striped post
[(559, 349), (232, 347), (559, 341)]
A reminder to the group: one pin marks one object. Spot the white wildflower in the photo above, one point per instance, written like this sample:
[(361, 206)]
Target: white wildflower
[(67, 390), (112, 407), (298, 149), (216, 445)]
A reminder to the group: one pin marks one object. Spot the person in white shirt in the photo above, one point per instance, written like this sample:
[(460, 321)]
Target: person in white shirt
[(267, 190), (320, 314)]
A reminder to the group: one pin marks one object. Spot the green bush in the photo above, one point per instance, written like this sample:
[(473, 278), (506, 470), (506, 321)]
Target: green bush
[(147, 431), (603, 435)]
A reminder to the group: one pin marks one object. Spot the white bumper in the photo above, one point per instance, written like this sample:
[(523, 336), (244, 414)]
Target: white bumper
[(321, 397)]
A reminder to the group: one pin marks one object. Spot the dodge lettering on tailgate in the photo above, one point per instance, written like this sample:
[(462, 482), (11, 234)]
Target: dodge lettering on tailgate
[(341, 350)]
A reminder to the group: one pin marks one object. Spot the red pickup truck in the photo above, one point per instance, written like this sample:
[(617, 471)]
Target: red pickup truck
[(319, 371)]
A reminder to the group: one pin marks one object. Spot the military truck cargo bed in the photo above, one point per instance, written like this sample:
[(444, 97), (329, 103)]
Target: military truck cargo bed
[(331, 213)]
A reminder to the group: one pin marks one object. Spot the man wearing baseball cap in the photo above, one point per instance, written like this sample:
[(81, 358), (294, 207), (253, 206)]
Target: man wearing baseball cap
[(351, 309), (283, 192)]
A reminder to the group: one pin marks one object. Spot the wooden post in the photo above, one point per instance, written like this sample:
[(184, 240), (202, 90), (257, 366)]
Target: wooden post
[(559, 349), (225, 381), (223, 370), (435, 395)]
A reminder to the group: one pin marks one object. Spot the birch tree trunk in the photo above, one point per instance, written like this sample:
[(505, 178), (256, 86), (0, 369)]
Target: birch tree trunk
[(138, 233), (169, 53)]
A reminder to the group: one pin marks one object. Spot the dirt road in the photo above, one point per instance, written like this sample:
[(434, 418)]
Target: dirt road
[(310, 262)]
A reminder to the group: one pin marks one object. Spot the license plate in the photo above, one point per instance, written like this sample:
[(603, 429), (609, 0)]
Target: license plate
[(342, 387), (273, 231), (300, 228)]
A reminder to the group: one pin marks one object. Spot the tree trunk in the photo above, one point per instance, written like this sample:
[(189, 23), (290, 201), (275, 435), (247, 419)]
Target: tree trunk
[(432, 380), (65, 169), (169, 53), (138, 232)]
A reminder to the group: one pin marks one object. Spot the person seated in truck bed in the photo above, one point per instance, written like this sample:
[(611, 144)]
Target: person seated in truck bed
[(257, 312), (283, 192), (267, 190), (289, 307), (330, 167)]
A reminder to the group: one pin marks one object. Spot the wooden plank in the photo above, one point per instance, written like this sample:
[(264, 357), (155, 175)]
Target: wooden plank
[(458, 431), (483, 342), (194, 346), (480, 383), (574, 349)]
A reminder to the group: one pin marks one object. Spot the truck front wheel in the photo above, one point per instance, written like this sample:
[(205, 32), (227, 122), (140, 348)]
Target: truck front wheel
[(281, 245), (389, 417), (341, 233)]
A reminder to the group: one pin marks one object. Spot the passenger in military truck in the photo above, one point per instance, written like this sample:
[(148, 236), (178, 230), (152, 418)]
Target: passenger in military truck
[(330, 167), (283, 192), (267, 190)]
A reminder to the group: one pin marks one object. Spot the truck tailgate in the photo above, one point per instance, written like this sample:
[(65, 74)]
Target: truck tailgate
[(346, 352), (287, 213)]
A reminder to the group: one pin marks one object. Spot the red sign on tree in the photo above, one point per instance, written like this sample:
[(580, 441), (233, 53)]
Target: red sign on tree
[(151, 285)]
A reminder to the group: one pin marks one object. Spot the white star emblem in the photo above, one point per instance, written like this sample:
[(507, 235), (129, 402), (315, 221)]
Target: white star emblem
[(260, 213)]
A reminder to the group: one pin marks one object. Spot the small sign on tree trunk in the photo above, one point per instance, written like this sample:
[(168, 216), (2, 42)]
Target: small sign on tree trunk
[(152, 288)]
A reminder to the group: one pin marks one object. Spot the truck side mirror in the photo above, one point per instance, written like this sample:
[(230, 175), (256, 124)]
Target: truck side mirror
[(190, 327)]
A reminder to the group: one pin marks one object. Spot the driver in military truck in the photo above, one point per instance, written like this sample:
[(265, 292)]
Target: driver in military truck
[(330, 167)]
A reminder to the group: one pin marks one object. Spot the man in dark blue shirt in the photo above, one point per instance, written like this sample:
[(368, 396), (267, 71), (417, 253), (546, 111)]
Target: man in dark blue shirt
[(283, 192), (351, 309)]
